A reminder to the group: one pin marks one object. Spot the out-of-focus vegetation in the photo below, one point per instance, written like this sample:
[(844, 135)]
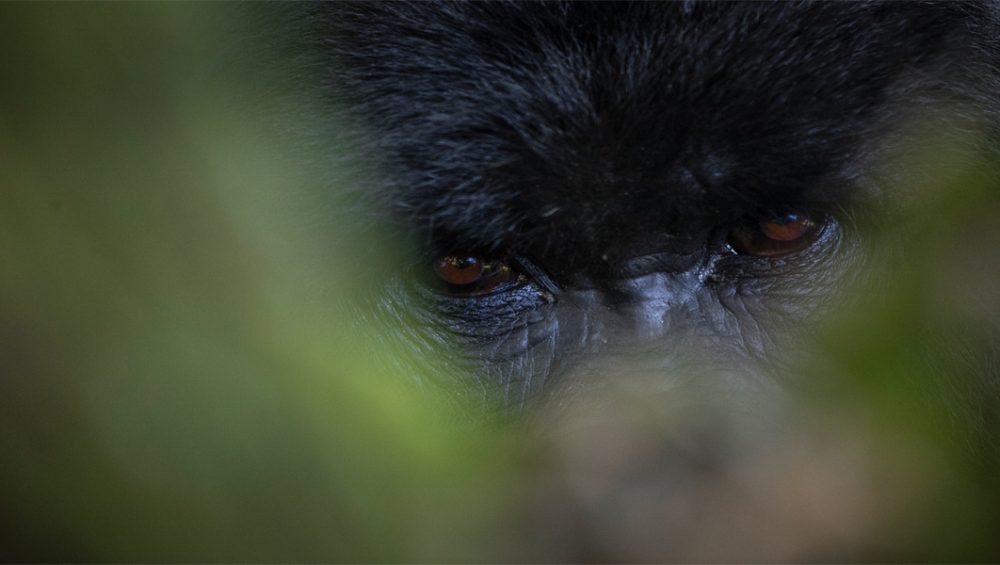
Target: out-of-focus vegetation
[(179, 379), (176, 384)]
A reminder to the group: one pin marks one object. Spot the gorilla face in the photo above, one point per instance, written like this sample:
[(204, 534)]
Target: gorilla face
[(677, 191)]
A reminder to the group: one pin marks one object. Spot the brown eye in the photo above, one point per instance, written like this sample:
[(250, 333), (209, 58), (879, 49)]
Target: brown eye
[(467, 275), (776, 237), (459, 271), (789, 228)]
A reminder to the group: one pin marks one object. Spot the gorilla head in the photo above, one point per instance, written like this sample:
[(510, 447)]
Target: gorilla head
[(674, 190)]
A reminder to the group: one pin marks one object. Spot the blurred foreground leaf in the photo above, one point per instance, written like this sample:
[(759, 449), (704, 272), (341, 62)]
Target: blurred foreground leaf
[(178, 379)]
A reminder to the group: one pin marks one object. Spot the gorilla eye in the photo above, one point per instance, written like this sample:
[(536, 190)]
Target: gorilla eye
[(776, 237), (469, 275)]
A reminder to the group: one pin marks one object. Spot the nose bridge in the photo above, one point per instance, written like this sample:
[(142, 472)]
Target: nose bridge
[(651, 306)]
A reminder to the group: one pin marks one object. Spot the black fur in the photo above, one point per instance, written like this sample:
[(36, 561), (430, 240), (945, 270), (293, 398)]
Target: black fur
[(514, 126)]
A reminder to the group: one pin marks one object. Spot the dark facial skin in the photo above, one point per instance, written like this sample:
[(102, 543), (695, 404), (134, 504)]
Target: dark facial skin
[(668, 190)]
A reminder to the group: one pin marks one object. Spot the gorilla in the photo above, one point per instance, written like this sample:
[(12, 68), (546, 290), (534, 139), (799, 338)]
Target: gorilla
[(684, 187), (621, 209)]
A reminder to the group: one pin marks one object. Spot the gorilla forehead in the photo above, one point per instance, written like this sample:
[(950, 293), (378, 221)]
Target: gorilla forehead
[(498, 118)]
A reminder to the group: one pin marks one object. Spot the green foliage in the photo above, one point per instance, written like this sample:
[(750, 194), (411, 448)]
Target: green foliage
[(174, 385), (180, 379)]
